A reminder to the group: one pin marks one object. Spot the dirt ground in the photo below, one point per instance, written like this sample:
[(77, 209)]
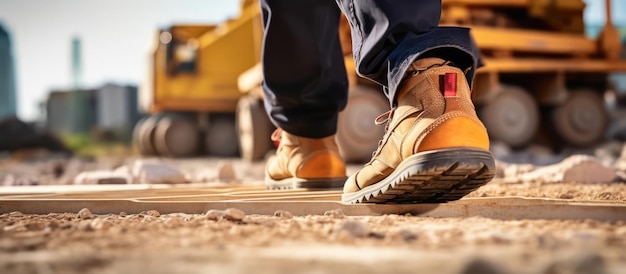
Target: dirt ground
[(150, 242)]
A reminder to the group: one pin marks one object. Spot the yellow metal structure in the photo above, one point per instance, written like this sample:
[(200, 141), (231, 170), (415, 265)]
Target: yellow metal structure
[(218, 55), (192, 92), (541, 72), (543, 79)]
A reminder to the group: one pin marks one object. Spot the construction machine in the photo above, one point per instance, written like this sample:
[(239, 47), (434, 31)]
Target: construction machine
[(543, 81), (191, 92)]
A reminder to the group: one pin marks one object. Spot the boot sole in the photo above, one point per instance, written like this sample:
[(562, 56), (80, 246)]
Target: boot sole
[(313, 184), (436, 176)]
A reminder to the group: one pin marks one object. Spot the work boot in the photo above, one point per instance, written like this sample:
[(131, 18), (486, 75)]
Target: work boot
[(435, 149), (305, 163)]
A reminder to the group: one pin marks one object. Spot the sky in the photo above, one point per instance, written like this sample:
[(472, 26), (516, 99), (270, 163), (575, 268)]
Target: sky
[(116, 36)]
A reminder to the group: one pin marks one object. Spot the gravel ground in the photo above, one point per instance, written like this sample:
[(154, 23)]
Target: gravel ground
[(150, 242)]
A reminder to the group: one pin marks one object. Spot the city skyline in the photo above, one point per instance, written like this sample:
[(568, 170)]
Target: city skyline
[(115, 35)]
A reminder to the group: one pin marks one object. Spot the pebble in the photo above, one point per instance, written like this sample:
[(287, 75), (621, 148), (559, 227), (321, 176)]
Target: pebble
[(85, 214), (85, 226), (283, 214), (16, 214), (234, 214), (335, 213), (149, 172), (226, 172), (153, 213), (100, 224), (101, 177), (214, 214)]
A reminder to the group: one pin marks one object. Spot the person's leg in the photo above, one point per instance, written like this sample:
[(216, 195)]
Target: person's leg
[(305, 86), (435, 148), (305, 83), (387, 36)]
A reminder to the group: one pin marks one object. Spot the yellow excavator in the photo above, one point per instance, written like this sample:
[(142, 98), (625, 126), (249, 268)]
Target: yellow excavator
[(543, 81), (191, 90)]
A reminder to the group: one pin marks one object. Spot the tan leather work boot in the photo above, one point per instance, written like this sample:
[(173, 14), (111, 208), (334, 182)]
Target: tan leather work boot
[(305, 163), (434, 150)]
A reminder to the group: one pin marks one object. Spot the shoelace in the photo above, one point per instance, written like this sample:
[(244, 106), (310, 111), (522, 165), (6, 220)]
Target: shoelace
[(413, 71), (276, 136), (383, 119)]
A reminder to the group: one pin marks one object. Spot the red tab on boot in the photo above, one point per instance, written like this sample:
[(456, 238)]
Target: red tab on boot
[(449, 84)]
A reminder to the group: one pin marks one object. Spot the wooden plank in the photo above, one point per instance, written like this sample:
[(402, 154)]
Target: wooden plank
[(561, 4), (533, 41), (497, 208), (550, 65), (253, 199)]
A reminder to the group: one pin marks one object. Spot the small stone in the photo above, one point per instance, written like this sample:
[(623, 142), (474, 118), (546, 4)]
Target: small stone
[(576, 169), (16, 214), (226, 172), (589, 171), (335, 213), (357, 229), (234, 214), (283, 214), (85, 226), (147, 172), (101, 177), (153, 213), (100, 224), (85, 214), (214, 214)]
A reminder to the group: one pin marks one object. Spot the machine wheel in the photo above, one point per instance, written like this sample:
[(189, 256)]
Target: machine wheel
[(511, 116), (253, 128), (357, 135), (176, 136), (221, 137), (582, 119), (143, 135)]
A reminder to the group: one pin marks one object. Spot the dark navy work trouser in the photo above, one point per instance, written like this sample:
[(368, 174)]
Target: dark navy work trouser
[(305, 83)]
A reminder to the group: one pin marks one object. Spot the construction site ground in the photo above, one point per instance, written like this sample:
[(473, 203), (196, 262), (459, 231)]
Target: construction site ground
[(217, 223)]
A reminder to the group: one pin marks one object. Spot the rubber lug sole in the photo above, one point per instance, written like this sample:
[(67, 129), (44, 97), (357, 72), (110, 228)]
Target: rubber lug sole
[(436, 176)]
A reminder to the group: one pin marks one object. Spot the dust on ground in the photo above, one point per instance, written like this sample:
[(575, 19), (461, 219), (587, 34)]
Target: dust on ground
[(151, 242)]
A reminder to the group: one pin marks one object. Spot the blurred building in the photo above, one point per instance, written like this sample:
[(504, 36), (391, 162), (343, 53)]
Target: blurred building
[(108, 112), (8, 101), (63, 117), (117, 110)]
